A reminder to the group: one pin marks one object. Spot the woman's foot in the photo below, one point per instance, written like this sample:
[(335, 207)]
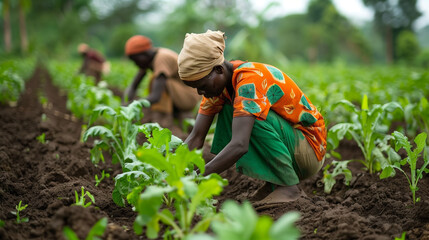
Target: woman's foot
[(280, 195), (262, 192)]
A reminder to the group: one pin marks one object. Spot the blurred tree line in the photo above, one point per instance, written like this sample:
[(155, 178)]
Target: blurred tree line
[(54, 28)]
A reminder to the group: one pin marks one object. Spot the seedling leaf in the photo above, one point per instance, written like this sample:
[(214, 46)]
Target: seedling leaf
[(387, 172), (284, 226), (97, 230), (69, 234), (207, 189), (97, 131), (117, 198)]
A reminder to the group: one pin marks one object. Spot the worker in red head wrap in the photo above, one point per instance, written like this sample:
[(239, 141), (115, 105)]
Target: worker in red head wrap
[(169, 97)]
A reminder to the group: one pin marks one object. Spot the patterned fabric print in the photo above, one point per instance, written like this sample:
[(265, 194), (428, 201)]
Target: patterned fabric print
[(274, 93), (261, 88), (251, 107), (247, 64), (305, 103), (307, 119), (247, 91), (277, 74)]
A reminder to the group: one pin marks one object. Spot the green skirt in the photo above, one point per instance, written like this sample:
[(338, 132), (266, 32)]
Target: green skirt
[(270, 156)]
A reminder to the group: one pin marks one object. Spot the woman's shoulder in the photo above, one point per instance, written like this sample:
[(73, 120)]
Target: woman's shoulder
[(168, 53)]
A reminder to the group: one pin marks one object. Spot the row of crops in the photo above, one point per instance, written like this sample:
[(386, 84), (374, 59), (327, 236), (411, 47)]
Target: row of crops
[(12, 78), (159, 178)]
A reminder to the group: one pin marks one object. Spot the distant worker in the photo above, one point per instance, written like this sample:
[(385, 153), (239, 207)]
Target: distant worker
[(170, 98), (93, 62)]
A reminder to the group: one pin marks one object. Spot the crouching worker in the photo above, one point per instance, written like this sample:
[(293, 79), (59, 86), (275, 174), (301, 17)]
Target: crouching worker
[(169, 97), (265, 125)]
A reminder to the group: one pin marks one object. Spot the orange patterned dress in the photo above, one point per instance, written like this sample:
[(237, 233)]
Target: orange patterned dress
[(259, 88)]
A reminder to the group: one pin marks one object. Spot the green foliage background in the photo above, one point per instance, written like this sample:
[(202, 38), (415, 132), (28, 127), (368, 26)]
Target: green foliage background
[(321, 34)]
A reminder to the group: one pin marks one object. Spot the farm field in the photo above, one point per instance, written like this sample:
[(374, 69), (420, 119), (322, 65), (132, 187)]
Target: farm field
[(44, 172)]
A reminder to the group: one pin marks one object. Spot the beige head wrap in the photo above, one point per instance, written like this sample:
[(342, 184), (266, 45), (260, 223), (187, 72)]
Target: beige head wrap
[(200, 53)]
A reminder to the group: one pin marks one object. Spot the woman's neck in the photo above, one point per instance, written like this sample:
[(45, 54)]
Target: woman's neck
[(229, 73)]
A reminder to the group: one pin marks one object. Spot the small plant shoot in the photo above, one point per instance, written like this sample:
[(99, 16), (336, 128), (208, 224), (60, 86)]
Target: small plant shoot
[(340, 168), (103, 175), (95, 233), (19, 208), (80, 200), (41, 138)]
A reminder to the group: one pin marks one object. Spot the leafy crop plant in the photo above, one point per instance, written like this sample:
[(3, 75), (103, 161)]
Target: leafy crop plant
[(364, 130), (120, 136), (243, 223), (190, 194), (416, 174), (340, 168)]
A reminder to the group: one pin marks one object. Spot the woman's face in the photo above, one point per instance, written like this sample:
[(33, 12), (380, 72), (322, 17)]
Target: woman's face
[(211, 85), (142, 60)]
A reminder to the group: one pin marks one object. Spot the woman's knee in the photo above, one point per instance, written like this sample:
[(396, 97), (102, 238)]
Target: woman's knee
[(306, 160)]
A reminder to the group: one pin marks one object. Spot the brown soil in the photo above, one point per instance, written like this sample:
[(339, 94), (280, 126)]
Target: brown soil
[(45, 176)]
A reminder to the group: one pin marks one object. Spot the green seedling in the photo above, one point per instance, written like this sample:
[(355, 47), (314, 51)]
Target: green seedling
[(120, 138), (251, 226), (243, 223), (403, 236), (190, 199), (43, 100), (41, 138), (95, 233), (137, 173), (44, 117), (190, 194), (364, 130), (340, 168), (103, 175), (19, 208), (416, 174), (2, 223), (80, 201)]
